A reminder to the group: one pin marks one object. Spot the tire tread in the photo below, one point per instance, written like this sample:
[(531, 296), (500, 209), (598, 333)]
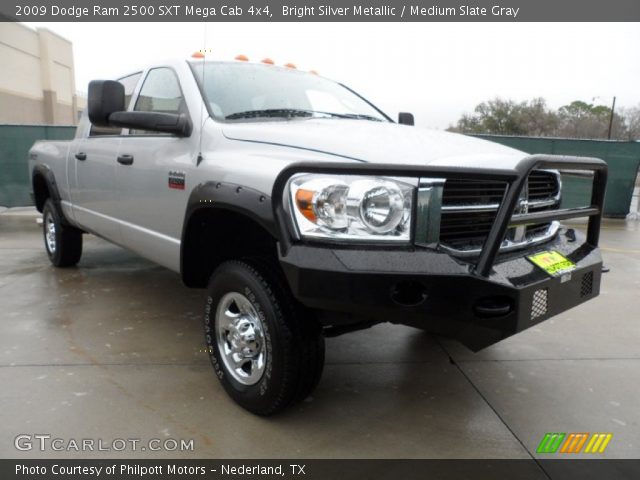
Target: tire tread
[(68, 241), (303, 343)]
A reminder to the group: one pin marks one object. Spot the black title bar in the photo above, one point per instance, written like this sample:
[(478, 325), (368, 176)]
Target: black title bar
[(320, 11), (282, 469)]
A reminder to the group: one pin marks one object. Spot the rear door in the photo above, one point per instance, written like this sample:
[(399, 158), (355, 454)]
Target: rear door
[(153, 173), (93, 161)]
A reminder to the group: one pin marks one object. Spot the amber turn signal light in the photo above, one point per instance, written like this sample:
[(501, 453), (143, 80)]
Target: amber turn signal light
[(304, 202)]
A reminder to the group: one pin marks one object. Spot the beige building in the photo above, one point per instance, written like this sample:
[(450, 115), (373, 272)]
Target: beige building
[(37, 83)]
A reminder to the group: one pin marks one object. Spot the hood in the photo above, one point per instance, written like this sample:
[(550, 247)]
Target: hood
[(377, 142)]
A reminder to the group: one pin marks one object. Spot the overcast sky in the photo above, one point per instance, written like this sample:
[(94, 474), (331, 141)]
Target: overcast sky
[(435, 70)]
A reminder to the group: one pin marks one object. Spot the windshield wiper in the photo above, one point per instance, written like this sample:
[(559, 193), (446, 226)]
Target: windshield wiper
[(274, 112), (360, 116), (294, 112)]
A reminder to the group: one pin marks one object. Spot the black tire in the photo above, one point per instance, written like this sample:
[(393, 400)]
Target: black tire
[(66, 249), (292, 337)]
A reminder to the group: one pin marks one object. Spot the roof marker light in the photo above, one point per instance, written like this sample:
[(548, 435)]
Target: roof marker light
[(242, 58), (290, 65), (268, 61), (197, 54)]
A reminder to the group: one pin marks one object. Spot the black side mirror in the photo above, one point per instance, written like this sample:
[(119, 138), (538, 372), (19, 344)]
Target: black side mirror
[(105, 98), (174, 123), (405, 118), (107, 109)]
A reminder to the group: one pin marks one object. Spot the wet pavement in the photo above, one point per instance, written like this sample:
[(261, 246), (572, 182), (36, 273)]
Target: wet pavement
[(113, 349)]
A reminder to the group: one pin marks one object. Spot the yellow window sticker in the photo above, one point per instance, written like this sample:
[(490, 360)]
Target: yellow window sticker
[(552, 262)]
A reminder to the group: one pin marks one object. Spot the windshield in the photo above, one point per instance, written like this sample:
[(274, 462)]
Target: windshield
[(241, 92)]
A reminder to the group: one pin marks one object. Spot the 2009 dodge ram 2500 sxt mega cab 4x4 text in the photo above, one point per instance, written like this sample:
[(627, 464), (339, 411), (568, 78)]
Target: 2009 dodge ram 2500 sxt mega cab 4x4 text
[(307, 212)]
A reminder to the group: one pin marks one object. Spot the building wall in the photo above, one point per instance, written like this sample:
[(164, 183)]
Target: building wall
[(37, 84)]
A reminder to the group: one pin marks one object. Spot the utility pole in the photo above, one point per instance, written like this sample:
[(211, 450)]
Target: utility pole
[(613, 107)]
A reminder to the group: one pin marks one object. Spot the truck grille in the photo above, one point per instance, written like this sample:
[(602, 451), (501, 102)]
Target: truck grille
[(469, 208)]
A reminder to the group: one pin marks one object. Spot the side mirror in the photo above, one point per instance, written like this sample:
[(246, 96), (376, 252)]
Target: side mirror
[(405, 118), (107, 109), (176, 124), (105, 98)]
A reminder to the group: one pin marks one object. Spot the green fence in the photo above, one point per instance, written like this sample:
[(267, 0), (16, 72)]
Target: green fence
[(623, 159), (15, 142)]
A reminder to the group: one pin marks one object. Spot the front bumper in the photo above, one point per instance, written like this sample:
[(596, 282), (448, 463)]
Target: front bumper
[(478, 302), (433, 291)]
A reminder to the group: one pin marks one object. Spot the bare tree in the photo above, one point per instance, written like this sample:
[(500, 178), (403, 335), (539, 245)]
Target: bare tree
[(536, 119), (632, 120)]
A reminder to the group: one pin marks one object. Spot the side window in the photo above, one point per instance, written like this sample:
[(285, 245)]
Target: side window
[(161, 93), (129, 82)]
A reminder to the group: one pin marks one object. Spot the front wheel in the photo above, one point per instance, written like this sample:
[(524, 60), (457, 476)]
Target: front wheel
[(62, 242), (266, 349)]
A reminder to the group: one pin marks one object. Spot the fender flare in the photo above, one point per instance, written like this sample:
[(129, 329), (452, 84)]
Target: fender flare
[(45, 172), (254, 204)]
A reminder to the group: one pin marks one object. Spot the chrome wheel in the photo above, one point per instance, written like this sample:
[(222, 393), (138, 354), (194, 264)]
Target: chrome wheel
[(240, 337), (50, 232)]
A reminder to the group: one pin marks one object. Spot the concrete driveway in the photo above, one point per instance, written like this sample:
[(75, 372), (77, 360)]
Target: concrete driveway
[(114, 349)]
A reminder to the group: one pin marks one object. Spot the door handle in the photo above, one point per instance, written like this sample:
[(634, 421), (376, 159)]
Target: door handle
[(81, 156), (125, 159)]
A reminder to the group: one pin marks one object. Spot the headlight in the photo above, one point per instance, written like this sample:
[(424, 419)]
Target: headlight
[(349, 207)]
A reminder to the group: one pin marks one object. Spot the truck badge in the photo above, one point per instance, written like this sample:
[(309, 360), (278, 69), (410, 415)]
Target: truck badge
[(177, 180)]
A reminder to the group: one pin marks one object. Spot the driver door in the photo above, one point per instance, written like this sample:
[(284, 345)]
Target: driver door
[(153, 175)]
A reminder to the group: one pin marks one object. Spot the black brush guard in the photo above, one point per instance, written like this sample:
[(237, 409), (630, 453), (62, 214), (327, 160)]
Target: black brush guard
[(355, 280)]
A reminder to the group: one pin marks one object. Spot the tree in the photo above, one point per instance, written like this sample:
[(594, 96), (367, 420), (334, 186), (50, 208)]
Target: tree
[(632, 121), (537, 120), (577, 119), (506, 117), (586, 120)]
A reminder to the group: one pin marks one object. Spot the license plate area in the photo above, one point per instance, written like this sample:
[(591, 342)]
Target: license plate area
[(553, 263)]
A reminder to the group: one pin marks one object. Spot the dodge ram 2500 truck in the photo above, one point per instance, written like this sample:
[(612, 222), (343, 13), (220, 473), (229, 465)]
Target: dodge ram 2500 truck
[(306, 212)]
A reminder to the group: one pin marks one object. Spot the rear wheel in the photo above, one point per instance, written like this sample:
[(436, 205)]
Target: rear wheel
[(266, 349), (62, 242)]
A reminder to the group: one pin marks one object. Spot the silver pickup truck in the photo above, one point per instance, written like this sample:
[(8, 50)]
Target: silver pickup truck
[(306, 212)]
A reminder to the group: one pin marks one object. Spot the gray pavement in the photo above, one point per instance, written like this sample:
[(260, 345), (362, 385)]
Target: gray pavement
[(114, 349)]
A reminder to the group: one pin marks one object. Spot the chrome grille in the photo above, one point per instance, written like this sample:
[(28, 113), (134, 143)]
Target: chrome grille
[(542, 185), (469, 208), (469, 193)]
